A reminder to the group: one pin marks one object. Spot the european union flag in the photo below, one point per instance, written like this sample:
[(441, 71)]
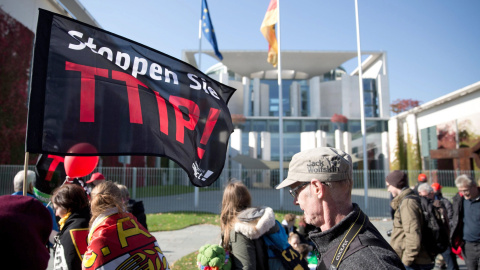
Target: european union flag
[(207, 29)]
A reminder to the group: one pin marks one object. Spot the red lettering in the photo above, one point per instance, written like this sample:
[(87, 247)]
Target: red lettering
[(211, 121), (87, 90), (162, 113), (133, 95), (53, 166), (193, 114)]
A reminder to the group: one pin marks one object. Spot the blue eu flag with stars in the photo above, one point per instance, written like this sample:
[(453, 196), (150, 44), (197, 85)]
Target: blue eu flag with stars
[(207, 29)]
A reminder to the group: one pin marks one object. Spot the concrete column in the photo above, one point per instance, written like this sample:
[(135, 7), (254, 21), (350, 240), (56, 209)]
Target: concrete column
[(392, 139), (307, 140), (347, 142), (266, 144), (385, 151), (295, 103), (321, 137), (338, 139), (256, 97), (314, 99), (253, 144), (247, 101)]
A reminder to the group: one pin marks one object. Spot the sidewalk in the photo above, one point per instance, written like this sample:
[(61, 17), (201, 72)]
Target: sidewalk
[(176, 244)]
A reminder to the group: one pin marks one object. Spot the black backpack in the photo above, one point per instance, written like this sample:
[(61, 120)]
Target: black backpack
[(435, 230)]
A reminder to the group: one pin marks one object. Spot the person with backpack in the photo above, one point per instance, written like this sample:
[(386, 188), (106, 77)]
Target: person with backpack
[(247, 232), (426, 191), (320, 181), (407, 223)]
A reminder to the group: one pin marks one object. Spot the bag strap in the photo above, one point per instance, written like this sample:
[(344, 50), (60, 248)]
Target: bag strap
[(344, 244)]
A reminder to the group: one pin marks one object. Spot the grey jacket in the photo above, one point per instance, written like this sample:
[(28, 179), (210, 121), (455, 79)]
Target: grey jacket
[(367, 257), (248, 250)]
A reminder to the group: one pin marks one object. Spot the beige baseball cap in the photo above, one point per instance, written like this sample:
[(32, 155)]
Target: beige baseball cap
[(325, 164)]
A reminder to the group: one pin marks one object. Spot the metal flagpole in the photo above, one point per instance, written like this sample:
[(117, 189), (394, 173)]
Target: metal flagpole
[(197, 191), (280, 104), (362, 110)]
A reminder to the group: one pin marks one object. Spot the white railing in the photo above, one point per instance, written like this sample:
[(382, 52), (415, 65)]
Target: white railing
[(169, 190)]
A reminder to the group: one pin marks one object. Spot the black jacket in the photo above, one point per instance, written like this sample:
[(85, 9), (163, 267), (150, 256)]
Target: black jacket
[(138, 210), (369, 257), (65, 249)]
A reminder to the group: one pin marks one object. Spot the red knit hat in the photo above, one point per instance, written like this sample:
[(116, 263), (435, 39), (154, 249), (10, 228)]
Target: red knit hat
[(436, 186), (96, 176), (422, 178)]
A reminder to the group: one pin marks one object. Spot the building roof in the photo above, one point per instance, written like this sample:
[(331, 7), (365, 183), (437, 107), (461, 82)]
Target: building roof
[(443, 99), (295, 64)]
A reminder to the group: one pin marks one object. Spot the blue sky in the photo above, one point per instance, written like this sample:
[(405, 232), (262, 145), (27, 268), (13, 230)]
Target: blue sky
[(433, 46)]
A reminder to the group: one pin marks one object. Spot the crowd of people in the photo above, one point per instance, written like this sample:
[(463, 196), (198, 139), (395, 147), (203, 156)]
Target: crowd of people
[(97, 227), (102, 227)]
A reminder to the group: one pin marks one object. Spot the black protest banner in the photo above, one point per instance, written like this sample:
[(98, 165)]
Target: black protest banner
[(123, 98), (50, 173)]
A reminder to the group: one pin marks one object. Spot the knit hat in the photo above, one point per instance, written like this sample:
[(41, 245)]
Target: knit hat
[(422, 178), (25, 224), (397, 179), (436, 186), (325, 164), (96, 176)]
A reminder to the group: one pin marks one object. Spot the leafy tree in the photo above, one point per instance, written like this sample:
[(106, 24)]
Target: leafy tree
[(16, 42), (339, 120), (402, 105)]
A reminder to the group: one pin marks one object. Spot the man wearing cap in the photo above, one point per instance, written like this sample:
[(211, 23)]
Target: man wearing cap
[(320, 180), (422, 178), (407, 223)]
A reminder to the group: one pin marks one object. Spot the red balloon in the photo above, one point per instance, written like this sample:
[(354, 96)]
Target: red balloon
[(79, 166)]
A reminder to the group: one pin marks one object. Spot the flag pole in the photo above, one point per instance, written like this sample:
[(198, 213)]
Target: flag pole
[(362, 110), (200, 44), (25, 170), (197, 190), (280, 104)]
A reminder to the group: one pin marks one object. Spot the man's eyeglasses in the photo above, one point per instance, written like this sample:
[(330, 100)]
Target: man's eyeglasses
[(294, 192)]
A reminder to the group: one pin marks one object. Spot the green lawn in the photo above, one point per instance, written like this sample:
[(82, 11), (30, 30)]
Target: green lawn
[(157, 191)]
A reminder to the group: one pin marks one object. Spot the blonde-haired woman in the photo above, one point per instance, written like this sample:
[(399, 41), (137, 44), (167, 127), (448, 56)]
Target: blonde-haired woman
[(242, 228), (115, 239)]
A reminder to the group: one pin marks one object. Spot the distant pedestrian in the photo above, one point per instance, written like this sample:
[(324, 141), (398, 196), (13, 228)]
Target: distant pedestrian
[(465, 230), (134, 207), (18, 188), (449, 258), (407, 223), (422, 178), (320, 181), (242, 228)]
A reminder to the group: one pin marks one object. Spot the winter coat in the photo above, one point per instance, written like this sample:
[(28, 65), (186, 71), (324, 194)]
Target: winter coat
[(117, 241), (407, 229), (368, 257), (248, 249), (456, 224), (448, 206), (68, 243)]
